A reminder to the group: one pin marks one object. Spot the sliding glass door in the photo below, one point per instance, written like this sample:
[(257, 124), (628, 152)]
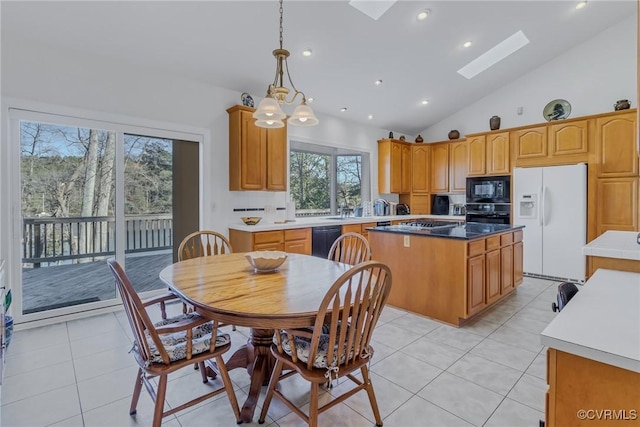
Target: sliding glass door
[(89, 192)]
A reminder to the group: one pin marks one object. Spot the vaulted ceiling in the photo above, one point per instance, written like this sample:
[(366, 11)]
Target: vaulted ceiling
[(229, 44)]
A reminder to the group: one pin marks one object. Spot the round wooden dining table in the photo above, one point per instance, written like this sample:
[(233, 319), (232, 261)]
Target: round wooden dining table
[(228, 289)]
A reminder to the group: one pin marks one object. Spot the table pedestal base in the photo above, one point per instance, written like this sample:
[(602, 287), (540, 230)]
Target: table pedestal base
[(256, 358)]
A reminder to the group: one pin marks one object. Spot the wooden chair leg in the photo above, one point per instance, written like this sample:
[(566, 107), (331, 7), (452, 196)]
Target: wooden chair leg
[(313, 405), (203, 372), (228, 386), (371, 394), (159, 408), (136, 393), (275, 376)]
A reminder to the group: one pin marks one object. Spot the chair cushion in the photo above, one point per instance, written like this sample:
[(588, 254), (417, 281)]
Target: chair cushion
[(303, 346), (176, 344)]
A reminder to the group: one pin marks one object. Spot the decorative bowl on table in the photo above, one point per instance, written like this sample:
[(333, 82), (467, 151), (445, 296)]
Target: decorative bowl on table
[(251, 220), (263, 261)]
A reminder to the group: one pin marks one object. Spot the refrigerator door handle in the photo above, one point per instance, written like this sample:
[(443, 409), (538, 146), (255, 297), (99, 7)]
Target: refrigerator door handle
[(542, 205), (540, 209)]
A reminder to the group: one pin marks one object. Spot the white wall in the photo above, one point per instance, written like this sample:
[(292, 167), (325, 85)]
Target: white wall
[(591, 76), (48, 75)]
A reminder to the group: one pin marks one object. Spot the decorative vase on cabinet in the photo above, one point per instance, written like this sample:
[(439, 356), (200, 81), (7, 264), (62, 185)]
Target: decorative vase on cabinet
[(454, 134), (494, 123)]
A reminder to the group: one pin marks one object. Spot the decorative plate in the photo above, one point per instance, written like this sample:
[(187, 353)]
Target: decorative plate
[(247, 100), (557, 109)]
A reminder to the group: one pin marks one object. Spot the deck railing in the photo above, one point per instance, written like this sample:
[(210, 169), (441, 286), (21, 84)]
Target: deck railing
[(49, 240)]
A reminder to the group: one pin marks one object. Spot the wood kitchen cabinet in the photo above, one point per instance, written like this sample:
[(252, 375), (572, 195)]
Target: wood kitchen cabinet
[(616, 147), (556, 143), (489, 154), (439, 167), (498, 160), (476, 284), (617, 207), (297, 240), (358, 228), (458, 154), (420, 168), (477, 147), (394, 166), (257, 156)]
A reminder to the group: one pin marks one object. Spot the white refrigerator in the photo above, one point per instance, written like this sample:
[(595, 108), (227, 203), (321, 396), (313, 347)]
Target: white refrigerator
[(551, 202)]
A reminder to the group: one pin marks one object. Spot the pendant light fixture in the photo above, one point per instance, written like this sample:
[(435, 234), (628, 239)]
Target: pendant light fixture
[(269, 114)]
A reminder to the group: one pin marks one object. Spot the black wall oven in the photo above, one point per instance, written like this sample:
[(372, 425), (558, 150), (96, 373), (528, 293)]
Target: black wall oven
[(489, 199)]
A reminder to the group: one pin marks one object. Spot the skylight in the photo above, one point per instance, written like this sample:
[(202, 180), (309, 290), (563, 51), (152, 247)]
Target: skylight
[(494, 55), (374, 9)]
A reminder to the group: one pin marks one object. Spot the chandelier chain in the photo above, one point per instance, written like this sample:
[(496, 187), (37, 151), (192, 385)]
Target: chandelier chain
[(281, 30)]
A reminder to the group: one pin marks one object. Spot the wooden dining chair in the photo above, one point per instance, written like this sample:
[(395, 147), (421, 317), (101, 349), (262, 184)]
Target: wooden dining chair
[(350, 248), (203, 243), (338, 344), (169, 345)]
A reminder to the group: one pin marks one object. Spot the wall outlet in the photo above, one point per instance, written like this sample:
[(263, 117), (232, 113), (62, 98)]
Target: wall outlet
[(519, 110), (407, 241)]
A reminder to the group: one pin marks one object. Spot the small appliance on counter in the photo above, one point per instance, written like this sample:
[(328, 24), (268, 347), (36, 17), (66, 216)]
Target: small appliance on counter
[(403, 209), (381, 207), (440, 205)]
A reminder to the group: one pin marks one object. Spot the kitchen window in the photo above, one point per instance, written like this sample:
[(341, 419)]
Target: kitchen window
[(325, 180)]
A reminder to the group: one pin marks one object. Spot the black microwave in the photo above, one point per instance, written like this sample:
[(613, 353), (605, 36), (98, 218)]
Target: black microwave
[(489, 189)]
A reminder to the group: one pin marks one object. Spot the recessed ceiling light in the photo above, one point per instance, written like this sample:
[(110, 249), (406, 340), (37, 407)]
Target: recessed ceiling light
[(424, 102), (494, 55), (377, 82), (306, 52), (581, 4), (423, 14), (467, 43), (343, 109), (310, 100), (370, 117)]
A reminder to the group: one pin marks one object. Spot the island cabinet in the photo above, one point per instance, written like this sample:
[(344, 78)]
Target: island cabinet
[(449, 279), (489, 154), (257, 156), (394, 166), (494, 268), (296, 240)]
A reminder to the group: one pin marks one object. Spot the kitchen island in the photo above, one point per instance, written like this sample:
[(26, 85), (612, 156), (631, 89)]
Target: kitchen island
[(593, 360), (451, 272)]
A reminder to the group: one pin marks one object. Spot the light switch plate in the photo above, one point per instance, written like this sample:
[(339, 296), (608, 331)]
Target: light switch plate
[(407, 242)]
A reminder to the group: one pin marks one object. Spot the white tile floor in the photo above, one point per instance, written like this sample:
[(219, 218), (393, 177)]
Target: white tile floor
[(489, 373)]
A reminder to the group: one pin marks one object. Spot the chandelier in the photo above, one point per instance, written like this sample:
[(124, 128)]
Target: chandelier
[(269, 114)]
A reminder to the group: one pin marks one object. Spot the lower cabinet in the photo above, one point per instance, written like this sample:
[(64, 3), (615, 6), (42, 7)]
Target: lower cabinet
[(297, 240), (494, 268), (358, 228)]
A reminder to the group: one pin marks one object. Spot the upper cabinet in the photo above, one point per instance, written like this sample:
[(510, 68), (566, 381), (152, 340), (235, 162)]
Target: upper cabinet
[(257, 156), (477, 145), (557, 143), (498, 154), (439, 167), (489, 154), (394, 166), (458, 155), (420, 168), (616, 146)]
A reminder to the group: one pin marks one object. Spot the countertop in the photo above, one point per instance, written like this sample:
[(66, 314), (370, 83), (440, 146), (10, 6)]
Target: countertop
[(614, 244), (468, 231), (325, 221), (602, 321)]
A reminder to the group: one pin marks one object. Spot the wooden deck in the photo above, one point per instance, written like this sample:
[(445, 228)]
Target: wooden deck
[(47, 288)]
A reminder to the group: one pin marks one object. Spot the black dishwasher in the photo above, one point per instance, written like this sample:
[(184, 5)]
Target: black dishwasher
[(322, 238)]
